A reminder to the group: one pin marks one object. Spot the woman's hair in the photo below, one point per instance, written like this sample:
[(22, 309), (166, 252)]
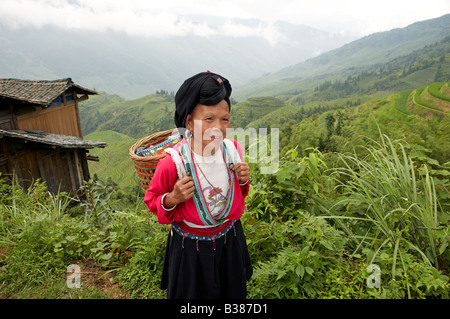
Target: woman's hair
[(204, 88)]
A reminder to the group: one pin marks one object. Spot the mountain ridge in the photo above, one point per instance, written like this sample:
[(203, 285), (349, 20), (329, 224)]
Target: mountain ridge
[(134, 66), (426, 107), (358, 53), (148, 114)]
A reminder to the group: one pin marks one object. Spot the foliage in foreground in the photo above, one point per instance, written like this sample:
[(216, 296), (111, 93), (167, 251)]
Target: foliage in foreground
[(312, 230), (42, 234), (383, 208)]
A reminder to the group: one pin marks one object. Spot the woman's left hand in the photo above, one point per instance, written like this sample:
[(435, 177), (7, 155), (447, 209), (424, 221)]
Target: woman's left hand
[(243, 171)]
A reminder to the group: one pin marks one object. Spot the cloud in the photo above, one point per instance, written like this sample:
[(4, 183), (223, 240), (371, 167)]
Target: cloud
[(164, 18), (97, 15), (361, 17), (136, 18)]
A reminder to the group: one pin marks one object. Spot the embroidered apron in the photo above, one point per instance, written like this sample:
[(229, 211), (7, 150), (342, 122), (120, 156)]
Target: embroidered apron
[(199, 198)]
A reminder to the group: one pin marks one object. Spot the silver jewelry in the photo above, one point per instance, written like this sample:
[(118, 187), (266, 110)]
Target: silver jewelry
[(162, 204), (188, 134)]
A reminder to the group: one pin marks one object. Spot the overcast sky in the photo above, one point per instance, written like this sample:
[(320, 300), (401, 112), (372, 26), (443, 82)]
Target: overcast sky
[(168, 17)]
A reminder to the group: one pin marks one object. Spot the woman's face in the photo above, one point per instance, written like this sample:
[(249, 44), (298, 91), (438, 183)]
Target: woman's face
[(208, 124)]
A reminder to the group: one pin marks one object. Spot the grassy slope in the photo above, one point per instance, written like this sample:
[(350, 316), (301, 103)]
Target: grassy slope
[(114, 159), (253, 108)]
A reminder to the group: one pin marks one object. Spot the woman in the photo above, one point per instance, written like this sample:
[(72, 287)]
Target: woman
[(206, 253)]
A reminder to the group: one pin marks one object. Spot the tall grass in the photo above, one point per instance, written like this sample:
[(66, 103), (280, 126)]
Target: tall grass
[(396, 201), (296, 253), (42, 233), (20, 208)]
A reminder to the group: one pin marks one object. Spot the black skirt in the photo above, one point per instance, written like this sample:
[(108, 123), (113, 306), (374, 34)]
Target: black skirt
[(200, 269)]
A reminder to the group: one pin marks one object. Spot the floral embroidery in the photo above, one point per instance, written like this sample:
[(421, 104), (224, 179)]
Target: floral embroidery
[(215, 191), (215, 197)]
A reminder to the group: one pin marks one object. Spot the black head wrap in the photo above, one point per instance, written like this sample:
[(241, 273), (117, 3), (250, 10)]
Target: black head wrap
[(205, 88)]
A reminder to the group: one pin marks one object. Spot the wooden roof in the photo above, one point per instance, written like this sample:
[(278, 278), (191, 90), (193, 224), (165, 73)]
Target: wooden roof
[(38, 92), (62, 141)]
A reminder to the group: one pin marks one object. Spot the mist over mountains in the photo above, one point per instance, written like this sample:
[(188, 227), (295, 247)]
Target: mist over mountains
[(134, 66), (353, 57)]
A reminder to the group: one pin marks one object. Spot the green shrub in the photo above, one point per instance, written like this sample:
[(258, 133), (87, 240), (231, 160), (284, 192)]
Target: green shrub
[(141, 275), (307, 248)]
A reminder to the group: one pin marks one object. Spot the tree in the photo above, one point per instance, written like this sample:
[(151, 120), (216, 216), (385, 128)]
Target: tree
[(439, 76), (340, 117), (329, 120)]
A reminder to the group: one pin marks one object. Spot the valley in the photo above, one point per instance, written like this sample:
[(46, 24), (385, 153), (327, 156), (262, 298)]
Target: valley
[(410, 84)]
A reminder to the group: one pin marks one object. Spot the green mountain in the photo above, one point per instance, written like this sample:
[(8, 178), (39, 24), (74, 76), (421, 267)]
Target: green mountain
[(419, 68), (350, 86), (368, 98), (420, 116), (379, 81), (133, 66), (378, 48), (136, 118)]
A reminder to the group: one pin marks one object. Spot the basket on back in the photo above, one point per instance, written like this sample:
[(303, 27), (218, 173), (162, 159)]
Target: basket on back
[(153, 147)]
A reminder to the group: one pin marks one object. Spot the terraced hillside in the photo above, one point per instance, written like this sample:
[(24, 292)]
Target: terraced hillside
[(136, 118), (419, 115), (114, 161), (434, 98)]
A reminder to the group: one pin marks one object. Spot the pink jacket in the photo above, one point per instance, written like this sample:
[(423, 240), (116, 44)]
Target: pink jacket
[(163, 182)]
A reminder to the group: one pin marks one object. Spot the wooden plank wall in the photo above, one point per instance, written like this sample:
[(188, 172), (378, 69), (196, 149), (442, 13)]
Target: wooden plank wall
[(57, 119), (5, 163), (26, 168), (54, 168), (6, 120), (61, 169)]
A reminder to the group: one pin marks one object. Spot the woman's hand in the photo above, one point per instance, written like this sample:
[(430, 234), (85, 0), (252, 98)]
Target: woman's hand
[(243, 171), (182, 191)]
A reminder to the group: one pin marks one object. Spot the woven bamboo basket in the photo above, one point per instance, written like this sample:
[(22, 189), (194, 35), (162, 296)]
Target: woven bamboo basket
[(145, 165)]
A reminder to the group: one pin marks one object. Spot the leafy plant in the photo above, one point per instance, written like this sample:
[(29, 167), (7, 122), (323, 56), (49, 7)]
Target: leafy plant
[(291, 188), (97, 201), (307, 248)]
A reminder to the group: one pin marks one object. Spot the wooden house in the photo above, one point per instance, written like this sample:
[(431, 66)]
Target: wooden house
[(40, 133)]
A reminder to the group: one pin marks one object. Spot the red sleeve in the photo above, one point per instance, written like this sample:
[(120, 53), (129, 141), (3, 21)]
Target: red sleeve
[(244, 188), (162, 182)]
